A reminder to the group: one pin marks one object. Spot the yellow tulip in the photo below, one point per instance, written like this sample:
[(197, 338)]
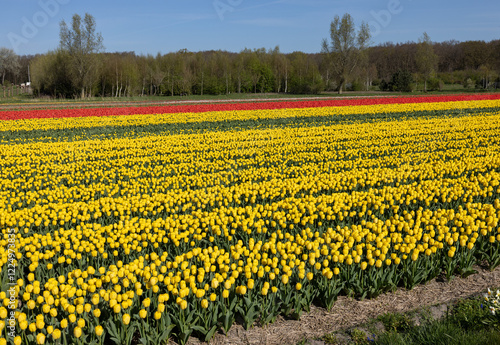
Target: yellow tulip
[(77, 332), (204, 303), (56, 334), (99, 330), (40, 338), (284, 279)]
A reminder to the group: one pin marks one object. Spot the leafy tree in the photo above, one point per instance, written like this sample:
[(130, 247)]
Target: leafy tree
[(427, 60), (242, 74), (280, 66), (82, 43), (402, 80), (9, 62), (304, 77), (198, 66), (51, 74), (254, 68), (216, 76), (345, 47), (262, 67), (187, 63)]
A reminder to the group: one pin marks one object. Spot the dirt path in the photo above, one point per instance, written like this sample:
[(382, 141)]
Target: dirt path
[(348, 312)]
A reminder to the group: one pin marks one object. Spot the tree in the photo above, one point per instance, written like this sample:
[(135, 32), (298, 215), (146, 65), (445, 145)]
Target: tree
[(9, 62), (402, 80), (161, 68), (280, 69), (304, 77), (427, 60), (82, 43), (50, 74), (346, 46)]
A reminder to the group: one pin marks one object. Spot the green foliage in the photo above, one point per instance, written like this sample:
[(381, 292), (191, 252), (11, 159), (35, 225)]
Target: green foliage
[(9, 62), (356, 86), (434, 84), (304, 77), (52, 75), (469, 314), (346, 46), (330, 338), (426, 59), (81, 43), (393, 338), (359, 337), (402, 81), (469, 83), (465, 324), (396, 322)]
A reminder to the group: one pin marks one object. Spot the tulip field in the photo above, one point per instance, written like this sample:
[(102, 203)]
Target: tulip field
[(133, 225)]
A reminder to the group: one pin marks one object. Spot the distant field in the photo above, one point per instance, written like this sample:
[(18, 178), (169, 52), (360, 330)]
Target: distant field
[(26, 99)]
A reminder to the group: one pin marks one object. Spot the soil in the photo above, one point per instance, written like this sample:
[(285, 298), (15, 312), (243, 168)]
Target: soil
[(348, 312)]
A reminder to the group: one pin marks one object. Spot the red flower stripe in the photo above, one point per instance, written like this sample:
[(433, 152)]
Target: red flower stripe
[(196, 108)]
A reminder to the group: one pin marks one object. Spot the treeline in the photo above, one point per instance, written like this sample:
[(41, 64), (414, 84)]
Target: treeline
[(182, 73), (472, 64)]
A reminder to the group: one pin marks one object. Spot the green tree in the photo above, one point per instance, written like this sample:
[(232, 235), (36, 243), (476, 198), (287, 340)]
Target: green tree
[(304, 77), (346, 47), (402, 80), (427, 60), (82, 43), (50, 74), (9, 62)]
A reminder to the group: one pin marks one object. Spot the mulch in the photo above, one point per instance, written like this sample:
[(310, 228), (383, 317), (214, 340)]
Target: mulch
[(348, 312)]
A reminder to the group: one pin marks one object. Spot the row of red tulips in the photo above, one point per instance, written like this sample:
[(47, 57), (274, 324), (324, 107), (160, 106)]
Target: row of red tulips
[(195, 108)]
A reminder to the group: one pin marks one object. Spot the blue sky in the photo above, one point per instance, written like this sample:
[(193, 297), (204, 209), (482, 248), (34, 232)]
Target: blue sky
[(162, 26)]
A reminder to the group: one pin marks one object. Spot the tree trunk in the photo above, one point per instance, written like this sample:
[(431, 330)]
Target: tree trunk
[(121, 86), (286, 81), (342, 81), (201, 83)]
